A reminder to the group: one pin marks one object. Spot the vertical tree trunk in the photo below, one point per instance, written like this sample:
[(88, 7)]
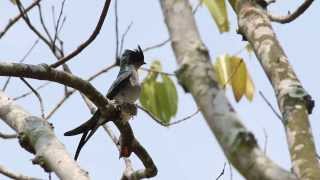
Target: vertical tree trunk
[(196, 75), (294, 102)]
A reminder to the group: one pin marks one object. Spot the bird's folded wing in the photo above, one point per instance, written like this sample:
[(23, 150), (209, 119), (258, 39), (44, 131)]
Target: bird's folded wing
[(121, 81)]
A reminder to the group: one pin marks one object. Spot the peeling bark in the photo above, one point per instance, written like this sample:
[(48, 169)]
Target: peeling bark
[(196, 75), (36, 136), (293, 100)]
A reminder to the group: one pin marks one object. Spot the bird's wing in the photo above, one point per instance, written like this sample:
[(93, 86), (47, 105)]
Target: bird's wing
[(119, 84)]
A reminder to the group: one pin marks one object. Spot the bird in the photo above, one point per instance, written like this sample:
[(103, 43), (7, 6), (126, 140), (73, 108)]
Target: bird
[(125, 89)]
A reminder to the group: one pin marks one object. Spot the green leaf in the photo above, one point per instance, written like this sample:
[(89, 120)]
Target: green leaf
[(13, 2), (218, 11), (159, 97)]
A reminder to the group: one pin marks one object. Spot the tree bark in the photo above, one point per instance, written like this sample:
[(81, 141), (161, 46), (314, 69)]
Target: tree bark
[(293, 100), (196, 75), (36, 136)]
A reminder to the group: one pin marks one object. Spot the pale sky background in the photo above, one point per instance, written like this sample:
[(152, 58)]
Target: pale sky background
[(186, 151)]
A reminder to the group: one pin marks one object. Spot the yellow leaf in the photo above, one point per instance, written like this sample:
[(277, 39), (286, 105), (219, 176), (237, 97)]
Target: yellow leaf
[(238, 77), (218, 11), (222, 69), (249, 88)]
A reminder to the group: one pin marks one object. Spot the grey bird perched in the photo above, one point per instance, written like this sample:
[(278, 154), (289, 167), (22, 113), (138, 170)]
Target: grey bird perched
[(125, 89)]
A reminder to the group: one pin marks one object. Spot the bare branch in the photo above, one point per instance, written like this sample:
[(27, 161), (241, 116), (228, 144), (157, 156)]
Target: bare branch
[(124, 36), (22, 60), (30, 92), (37, 95), (116, 25), (69, 93), (28, 22), (169, 124), (157, 45), (57, 29), (44, 72), (115, 140), (15, 19), (36, 136), (222, 172), (8, 136), (291, 16), (14, 175), (88, 41), (197, 7), (270, 105), (43, 24)]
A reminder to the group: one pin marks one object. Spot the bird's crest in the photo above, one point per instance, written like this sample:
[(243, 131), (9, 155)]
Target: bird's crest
[(132, 57)]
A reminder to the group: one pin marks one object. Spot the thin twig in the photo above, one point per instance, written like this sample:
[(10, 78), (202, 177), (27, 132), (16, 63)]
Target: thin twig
[(28, 22), (14, 175), (116, 25), (57, 29), (43, 24), (168, 124), (37, 95), (271, 107), (30, 92), (22, 60), (230, 170), (115, 140), (8, 136), (265, 140), (291, 16), (89, 40), (59, 104), (16, 18), (197, 7), (69, 93), (160, 72), (157, 45), (124, 36), (222, 172)]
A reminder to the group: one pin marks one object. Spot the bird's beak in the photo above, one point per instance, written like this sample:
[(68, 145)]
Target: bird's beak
[(144, 63)]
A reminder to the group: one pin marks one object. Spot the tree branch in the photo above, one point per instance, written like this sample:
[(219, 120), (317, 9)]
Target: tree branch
[(293, 100), (37, 137), (14, 175), (15, 19), (239, 144), (89, 40), (8, 136), (291, 16)]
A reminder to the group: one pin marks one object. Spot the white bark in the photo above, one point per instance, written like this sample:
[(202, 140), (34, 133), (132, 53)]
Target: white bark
[(36, 135)]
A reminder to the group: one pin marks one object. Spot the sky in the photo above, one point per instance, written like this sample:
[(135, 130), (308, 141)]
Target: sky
[(186, 151)]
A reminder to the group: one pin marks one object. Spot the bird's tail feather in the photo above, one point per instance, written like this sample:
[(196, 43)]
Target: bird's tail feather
[(85, 126)]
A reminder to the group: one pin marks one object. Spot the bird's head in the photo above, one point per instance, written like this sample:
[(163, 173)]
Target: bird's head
[(132, 57)]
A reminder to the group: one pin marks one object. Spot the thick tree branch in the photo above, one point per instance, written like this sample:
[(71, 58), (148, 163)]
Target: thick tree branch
[(37, 137), (293, 100), (89, 40), (44, 72), (291, 16), (8, 136), (197, 76)]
